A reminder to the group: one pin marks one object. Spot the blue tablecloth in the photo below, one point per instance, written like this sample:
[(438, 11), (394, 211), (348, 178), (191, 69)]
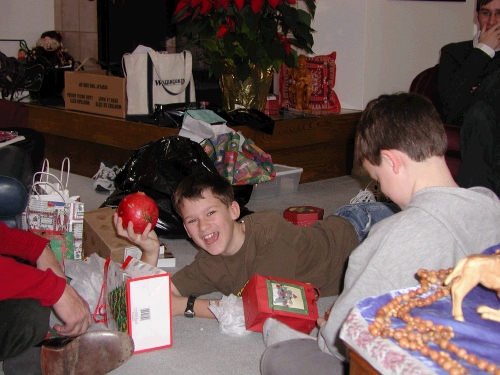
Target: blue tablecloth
[(477, 336)]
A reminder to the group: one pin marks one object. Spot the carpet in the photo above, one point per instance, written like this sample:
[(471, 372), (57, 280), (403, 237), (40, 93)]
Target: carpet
[(198, 345)]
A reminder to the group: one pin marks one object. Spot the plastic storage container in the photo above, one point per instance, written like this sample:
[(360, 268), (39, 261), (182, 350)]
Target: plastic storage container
[(286, 182)]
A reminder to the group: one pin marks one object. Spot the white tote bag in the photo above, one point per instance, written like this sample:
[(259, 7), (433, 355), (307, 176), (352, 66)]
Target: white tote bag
[(157, 78)]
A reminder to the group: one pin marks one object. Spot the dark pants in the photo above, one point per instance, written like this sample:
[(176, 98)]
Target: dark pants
[(480, 148), (480, 138), (24, 323)]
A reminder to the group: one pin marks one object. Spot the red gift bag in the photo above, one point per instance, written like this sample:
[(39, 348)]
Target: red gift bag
[(291, 302)]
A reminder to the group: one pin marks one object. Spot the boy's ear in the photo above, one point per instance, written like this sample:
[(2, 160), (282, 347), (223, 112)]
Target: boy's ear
[(235, 210), (393, 160), (186, 230)]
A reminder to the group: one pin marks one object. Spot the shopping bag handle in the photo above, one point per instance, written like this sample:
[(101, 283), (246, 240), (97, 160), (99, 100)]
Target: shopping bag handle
[(124, 68), (33, 189), (102, 306), (45, 171), (57, 186), (188, 71), (65, 163)]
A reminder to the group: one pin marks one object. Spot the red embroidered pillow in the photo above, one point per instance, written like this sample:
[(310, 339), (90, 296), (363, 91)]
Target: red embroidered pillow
[(322, 70)]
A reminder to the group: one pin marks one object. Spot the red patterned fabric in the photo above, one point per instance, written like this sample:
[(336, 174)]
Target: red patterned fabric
[(323, 70)]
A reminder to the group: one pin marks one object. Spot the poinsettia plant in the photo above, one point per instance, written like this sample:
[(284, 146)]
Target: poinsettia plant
[(245, 33)]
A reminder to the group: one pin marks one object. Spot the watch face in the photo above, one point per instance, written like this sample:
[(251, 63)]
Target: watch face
[(189, 313)]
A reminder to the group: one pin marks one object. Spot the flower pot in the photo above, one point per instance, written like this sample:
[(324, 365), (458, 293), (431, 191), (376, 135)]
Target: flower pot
[(250, 92)]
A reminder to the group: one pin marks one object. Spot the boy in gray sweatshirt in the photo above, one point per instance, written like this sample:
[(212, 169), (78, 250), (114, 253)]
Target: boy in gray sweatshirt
[(401, 142)]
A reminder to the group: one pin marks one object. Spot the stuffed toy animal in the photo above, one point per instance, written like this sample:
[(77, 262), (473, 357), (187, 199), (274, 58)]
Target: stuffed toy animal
[(49, 50)]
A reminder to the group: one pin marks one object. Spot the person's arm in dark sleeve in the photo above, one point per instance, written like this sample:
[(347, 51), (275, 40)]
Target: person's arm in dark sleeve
[(458, 76)]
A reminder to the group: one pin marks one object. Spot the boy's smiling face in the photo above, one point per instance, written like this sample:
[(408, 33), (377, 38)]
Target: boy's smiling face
[(212, 225)]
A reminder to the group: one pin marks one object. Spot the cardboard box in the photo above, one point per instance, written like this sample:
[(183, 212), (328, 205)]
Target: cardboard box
[(95, 92), (165, 259), (99, 235)]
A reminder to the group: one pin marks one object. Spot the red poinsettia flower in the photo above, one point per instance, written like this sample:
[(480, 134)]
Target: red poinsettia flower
[(239, 3), (230, 23), (286, 43), (221, 4), (206, 20), (206, 6), (223, 29), (257, 5), (228, 26), (181, 5)]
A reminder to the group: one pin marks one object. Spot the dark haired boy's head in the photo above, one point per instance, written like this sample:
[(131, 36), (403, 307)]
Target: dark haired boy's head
[(481, 3), (205, 201), (404, 121), (192, 188)]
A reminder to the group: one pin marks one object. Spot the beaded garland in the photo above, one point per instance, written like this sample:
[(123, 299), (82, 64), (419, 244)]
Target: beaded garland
[(419, 332)]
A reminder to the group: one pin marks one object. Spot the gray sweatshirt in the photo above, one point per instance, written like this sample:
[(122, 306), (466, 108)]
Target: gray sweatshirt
[(439, 226)]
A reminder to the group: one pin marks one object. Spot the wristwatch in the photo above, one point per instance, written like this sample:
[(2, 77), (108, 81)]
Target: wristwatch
[(189, 312)]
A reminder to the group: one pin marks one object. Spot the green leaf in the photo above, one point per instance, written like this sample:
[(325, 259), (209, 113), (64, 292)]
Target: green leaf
[(290, 15), (218, 68), (192, 29), (311, 6), (291, 59), (303, 35), (269, 27), (210, 45), (301, 45), (304, 17), (254, 39), (256, 52), (276, 51)]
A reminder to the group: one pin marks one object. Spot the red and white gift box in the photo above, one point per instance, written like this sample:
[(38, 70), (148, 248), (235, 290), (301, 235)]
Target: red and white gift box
[(288, 301)]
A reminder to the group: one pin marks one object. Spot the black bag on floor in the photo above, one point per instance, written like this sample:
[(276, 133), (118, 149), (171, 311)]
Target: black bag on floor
[(156, 169)]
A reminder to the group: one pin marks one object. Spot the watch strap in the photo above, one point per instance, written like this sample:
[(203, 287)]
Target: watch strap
[(189, 312)]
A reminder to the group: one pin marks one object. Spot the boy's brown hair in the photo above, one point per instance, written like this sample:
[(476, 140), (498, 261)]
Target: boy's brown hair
[(404, 121), (192, 188), (481, 3)]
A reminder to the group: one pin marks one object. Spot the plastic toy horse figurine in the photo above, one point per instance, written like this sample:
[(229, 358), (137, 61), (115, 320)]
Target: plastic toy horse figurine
[(469, 272)]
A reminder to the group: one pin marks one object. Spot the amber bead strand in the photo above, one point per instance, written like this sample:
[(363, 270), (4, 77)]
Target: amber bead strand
[(418, 332)]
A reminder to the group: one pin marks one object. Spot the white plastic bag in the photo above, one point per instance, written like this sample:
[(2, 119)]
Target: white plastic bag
[(86, 278), (230, 315)]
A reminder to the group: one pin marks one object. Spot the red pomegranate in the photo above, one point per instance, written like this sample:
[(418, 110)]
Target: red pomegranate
[(139, 209)]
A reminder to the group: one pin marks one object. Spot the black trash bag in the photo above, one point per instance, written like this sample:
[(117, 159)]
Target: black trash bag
[(156, 169)]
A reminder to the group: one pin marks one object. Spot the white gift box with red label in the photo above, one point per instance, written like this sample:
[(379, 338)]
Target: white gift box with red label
[(138, 301)]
